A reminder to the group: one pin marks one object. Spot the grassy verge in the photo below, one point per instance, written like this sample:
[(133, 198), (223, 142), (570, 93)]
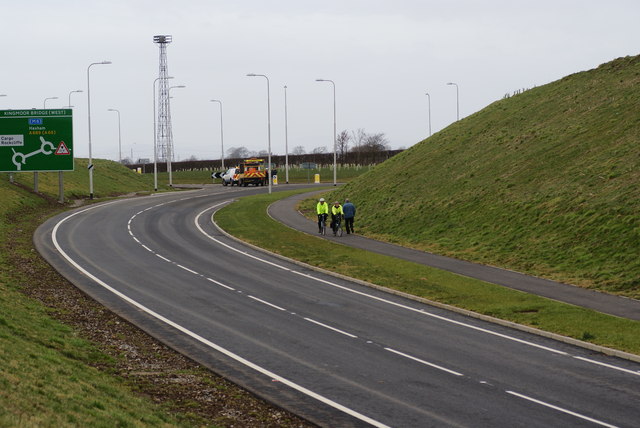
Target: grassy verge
[(66, 361), (247, 219), (49, 375)]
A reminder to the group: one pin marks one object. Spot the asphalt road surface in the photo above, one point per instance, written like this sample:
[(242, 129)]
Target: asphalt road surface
[(333, 351)]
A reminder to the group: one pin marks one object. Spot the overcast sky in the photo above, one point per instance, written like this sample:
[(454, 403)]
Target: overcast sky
[(383, 56)]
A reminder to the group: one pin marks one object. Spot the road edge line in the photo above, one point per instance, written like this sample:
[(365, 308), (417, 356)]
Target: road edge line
[(524, 328)]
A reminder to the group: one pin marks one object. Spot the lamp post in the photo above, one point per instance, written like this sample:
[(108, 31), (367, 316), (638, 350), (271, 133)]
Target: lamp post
[(221, 133), (170, 146), (268, 125), (45, 101), (90, 166), (119, 135), (334, 130), (429, 101), (286, 138), (457, 100), (72, 92), (155, 143)]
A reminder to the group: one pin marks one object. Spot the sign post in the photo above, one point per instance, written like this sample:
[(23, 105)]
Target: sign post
[(36, 140)]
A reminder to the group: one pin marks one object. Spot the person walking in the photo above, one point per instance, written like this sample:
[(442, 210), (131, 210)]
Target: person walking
[(322, 208), (336, 216), (349, 211)]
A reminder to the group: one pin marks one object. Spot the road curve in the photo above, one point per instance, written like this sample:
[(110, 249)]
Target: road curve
[(284, 210), (332, 351)]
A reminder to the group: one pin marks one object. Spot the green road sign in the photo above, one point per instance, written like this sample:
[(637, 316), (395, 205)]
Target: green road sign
[(36, 140)]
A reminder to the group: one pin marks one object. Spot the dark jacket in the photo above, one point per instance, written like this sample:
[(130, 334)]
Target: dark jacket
[(349, 210)]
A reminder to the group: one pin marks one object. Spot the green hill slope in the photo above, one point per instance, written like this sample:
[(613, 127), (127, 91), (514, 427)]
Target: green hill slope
[(545, 182)]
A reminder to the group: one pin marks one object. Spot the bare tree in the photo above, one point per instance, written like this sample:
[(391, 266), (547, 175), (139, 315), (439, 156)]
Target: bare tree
[(342, 143), (263, 153), (319, 150), (298, 150), (370, 142), (358, 138), (377, 142), (237, 152)]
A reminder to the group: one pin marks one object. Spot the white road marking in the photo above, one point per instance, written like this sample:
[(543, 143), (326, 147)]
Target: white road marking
[(264, 302), (435, 366), (560, 409), (588, 360), (163, 258), (220, 284), (331, 328), (370, 296), (187, 269), (204, 341)]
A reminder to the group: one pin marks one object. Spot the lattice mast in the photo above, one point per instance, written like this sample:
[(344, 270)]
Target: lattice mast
[(164, 138)]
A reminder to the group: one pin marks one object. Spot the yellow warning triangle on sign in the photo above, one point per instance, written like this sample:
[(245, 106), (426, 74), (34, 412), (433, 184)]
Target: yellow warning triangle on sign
[(62, 149)]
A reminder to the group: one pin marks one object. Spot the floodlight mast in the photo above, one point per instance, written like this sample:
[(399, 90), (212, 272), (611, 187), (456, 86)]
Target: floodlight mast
[(163, 133)]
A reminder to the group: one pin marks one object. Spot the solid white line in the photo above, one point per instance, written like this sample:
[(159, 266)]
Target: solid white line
[(330, 328), (207, 342), (560, 409), (607, 365), (265, 302), (424, 362), (380, 299)]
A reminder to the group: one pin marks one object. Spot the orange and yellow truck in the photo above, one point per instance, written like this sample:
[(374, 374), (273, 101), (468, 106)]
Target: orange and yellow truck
[(252, 171)]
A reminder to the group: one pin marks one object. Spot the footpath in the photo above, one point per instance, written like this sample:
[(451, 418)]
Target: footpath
[(285, 212)]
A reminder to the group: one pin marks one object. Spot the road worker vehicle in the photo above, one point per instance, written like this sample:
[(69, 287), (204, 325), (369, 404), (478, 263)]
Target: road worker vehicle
[(252, 171)]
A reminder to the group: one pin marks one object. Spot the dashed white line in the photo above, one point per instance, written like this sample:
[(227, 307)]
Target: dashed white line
[(187, 269), (560, 409), (163, 258), (220, 284), (264, 302), (331, 328), (426, 363)]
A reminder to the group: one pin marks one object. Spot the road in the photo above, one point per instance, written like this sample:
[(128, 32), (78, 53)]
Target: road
[(332, 351)]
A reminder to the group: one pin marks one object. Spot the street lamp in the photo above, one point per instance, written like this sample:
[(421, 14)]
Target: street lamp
[(429, 100), (119, 135), (170, 146), (268, 125), (90, 166), (221, 133), (457, 100), (155, 131), (45, 101), (335, 145), (72, 92), (286, 138)]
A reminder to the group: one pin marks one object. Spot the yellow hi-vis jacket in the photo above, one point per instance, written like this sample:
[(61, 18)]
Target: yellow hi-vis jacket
[(322, 208), (336, 210)]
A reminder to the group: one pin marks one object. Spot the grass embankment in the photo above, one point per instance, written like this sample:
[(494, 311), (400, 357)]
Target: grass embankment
[(47, 375), (545, 182), (69, 362), (247, 219)]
